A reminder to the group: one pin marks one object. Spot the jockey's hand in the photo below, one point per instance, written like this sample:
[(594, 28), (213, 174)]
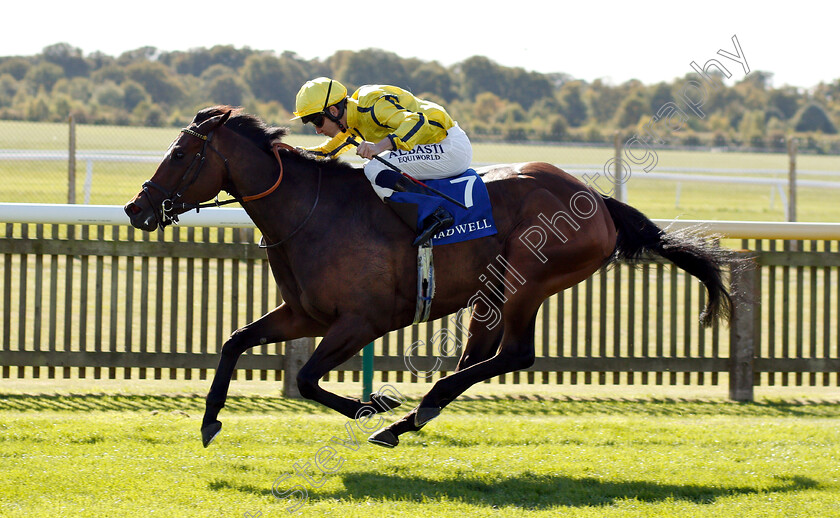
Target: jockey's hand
[(368, 149)]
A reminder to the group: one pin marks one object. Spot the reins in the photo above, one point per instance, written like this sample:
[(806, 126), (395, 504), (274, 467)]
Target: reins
[(265, 244), (275, 147), (168, 206)]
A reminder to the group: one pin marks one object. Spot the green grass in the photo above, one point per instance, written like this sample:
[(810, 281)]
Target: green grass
[(134, 455)]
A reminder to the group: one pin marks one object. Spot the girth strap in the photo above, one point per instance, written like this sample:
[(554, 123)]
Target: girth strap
[(425, 283)]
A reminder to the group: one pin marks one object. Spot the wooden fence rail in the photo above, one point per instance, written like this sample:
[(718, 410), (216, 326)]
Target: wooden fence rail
[(106, 301)]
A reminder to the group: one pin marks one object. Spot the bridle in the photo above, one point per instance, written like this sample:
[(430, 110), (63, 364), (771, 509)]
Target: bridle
[(170, 206)]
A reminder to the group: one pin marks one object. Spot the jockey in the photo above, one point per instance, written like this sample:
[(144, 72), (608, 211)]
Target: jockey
[(388, 121)]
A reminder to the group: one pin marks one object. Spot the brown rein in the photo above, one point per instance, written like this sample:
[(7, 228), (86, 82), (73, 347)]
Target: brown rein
[(276, 146)]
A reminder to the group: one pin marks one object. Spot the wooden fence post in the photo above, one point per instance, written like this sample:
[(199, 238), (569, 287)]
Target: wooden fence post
[(619, 180), (71, 161), (793, 245), (744, 327), (297, 352), (791, 207)]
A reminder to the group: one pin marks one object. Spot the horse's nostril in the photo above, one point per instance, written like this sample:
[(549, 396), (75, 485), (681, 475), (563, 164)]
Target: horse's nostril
[(132, 209)]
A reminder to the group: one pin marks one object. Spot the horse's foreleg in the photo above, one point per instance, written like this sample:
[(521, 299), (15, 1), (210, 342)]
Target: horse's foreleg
[(278, 325)]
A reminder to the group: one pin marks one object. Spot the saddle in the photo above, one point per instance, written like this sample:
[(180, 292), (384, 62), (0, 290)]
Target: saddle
[(474, 222)]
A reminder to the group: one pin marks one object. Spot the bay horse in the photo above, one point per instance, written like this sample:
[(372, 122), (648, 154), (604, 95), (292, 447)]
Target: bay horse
[(346, 269)]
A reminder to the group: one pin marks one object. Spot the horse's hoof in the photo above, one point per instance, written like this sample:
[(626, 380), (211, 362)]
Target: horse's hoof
[(209, 432), (425, 414), (384, 438), (384, 402)]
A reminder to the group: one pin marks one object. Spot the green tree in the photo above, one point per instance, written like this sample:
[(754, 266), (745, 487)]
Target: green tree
[(369, 66), (812, 117), (512, 114), (37, 108), (229, 89), (134, 94), (604, 100), (632, 109), (158, 80), (62, 105), (110, 95), (828, 94), (99, 59), (752, 128), (432, 78), (148, 114), (558, 128), (109, 73), (572, 105), (661, 95), (196, 61), (8, 89), (273, 78), (68, 57), (78, 88), (487, 106), (137, 56), (43, 75), (215, 71), (786, 100), (16, 67), (525, 88), (479, 75)]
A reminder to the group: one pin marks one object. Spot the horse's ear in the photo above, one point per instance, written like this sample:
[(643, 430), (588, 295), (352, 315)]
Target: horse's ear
[(216, 122)]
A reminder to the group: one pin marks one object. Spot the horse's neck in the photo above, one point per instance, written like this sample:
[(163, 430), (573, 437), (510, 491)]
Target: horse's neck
[(289, 206)]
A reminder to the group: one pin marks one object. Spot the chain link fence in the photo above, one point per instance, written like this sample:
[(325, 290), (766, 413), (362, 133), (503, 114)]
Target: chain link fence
[(74, 163), (48, 162)]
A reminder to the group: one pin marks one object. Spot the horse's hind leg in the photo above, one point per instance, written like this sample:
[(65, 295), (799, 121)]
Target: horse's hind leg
[(516, 352), (519, 315), (481, 345)]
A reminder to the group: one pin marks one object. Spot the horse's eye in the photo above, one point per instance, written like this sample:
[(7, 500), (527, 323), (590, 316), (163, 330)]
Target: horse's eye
[(178, 155)]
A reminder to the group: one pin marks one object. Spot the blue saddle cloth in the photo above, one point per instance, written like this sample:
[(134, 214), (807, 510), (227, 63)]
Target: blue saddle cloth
[(469, 189)]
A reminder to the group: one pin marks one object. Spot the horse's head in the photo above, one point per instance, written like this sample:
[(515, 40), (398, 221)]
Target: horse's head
[(189, 174)]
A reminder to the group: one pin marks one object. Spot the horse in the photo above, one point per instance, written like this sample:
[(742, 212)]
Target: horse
[(346, 269)]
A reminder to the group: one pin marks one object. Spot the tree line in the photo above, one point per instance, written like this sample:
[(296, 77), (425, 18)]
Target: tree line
[(149, 87)]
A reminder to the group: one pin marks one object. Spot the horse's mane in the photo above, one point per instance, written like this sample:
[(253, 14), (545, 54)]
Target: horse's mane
[(245, 124), (257, 131)]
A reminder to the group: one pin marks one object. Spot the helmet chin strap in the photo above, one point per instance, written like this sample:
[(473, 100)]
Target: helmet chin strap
[(329, 115), (335, 119)]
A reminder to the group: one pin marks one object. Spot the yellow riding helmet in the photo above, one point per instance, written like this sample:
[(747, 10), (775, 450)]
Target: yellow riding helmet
[(317, 95)]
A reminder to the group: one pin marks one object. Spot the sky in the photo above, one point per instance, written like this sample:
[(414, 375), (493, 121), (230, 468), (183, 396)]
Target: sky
[(650, 41)]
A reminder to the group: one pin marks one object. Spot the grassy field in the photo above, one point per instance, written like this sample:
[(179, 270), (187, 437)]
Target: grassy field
[(133, 455), (113, 449), (115, 183)]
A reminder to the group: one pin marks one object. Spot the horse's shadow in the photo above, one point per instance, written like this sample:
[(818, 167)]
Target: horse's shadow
[(542, 492)]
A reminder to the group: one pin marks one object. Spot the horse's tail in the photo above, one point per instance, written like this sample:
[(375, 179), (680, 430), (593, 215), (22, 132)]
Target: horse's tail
[(637, 234)]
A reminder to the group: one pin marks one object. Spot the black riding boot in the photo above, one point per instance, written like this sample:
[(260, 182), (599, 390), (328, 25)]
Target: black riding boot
[(439, 220)]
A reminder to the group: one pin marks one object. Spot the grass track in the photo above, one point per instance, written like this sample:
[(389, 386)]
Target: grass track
[(134, 455)]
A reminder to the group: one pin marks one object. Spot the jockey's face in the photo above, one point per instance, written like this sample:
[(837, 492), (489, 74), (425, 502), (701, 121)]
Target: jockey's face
[(330, 128)]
